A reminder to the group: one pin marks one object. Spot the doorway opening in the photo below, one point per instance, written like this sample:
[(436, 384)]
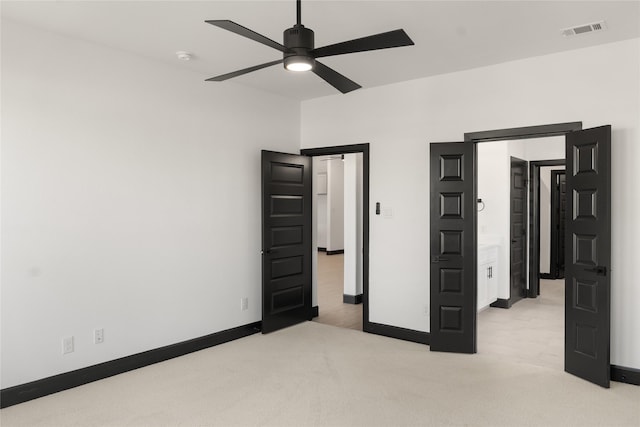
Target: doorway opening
[(341, 253), (558, 210), (540, 227), (338, 223), (529, 330), (587, 287)]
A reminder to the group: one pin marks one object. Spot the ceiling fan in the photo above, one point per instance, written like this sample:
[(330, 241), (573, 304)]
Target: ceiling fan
[(299, 53)]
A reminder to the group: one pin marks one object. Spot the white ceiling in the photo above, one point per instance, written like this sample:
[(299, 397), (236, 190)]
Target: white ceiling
[(449, 35)]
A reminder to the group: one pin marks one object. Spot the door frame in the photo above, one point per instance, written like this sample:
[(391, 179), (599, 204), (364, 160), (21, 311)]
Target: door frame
[(534, 222), (540, 131), (556, 238), (349, 149)]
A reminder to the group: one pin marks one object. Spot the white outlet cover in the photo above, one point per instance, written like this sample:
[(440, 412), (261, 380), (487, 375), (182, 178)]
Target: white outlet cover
[(67, 345), (98, 336)]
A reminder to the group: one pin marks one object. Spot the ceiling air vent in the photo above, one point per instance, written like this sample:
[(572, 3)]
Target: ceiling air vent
[(583, 29)]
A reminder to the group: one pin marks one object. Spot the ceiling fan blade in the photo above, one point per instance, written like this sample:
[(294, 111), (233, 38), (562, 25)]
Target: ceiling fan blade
[(334, 78), (396, 38), (243, 71), (245, 32)]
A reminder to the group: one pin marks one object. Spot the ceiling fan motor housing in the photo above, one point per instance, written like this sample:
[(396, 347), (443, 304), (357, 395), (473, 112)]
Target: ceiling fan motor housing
[(299, 41)]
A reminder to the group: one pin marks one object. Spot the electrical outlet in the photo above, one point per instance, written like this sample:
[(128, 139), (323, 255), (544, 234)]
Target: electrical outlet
[(244, 304), (67, 345), (98, 336)]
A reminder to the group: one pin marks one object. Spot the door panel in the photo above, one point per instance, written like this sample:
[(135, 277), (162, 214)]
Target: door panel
[(558, 210), (561, 223), (452, 247), (286, 240), (588, 254), (518, 234)]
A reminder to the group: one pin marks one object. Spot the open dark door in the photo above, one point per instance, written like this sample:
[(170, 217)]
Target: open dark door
[(588, 255), (518, 213), (453, 248), (286, 240), (558, 220)]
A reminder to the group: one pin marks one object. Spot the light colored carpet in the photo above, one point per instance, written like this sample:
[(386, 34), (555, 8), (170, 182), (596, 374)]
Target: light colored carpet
[(318, 375), (531, 331)]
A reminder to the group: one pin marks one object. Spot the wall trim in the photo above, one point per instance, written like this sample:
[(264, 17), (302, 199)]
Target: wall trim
[(336, 252), (320, 249), (622, 374), (24, 392), (397, 332), (352, 299), (501, 303), (315, 311), (547, 276), (556, 129)]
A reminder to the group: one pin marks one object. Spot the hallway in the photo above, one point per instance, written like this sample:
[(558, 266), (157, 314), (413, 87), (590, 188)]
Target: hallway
[(332, 311), (531, 331)]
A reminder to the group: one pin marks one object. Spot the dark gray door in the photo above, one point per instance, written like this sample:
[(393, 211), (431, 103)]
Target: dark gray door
[(518, 226), (453, 248), (588, 255), (286, 240), (558, 216)]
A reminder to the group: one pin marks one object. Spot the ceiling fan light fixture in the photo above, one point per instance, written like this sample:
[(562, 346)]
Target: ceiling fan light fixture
[(299, 63), (299, 52)]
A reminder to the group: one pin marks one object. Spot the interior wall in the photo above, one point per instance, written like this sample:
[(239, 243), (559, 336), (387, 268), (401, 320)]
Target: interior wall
[(493, 221), (130, 202), (399, 121), (320, 181), (335, 204), (353, 224)]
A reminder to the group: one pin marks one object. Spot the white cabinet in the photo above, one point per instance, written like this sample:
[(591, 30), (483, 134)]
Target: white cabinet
[(487, 275)]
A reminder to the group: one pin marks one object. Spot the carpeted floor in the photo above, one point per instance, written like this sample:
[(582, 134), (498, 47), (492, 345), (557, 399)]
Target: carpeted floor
[(314, 374), (319, 375)]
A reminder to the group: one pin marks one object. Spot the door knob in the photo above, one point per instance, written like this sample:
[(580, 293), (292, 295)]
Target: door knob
[(600, 270)]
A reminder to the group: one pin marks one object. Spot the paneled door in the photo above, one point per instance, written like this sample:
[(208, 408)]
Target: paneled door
[(453, 248), (518, 214), (286, 240), (558, 220), (588, 254)]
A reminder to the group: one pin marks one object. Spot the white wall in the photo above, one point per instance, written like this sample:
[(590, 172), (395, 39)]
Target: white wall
[(353, 224), (400, 120), (320, 202), (130, 202), (335, 204), (493, 221)]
